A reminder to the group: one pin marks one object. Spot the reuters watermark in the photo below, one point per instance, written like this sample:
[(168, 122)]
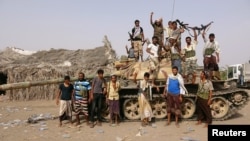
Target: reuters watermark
[(239, 132)]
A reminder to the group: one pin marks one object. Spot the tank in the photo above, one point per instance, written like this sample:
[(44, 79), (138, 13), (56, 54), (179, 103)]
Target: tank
[(227, 97)]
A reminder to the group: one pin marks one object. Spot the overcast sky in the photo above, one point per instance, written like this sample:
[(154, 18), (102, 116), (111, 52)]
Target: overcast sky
[(81, 24)]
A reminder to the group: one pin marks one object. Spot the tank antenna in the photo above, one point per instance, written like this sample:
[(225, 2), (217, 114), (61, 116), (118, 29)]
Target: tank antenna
[(173, 11)]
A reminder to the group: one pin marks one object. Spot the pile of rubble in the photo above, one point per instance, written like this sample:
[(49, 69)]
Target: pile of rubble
[(52, 64)]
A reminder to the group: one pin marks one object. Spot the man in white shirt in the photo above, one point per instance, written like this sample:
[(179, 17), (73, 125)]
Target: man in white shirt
[(168, 30), (211, 52), (176, 33), (152, 49)]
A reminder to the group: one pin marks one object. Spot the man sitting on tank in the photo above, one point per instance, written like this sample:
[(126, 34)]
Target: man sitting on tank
[(152, 49), (131, 52)]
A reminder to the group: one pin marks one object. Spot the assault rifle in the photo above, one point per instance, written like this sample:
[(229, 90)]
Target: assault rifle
[(182, 24), (131, 38), (203, 27)]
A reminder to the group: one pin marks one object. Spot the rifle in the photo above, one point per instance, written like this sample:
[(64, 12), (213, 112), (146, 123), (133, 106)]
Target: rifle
[(182, 24), (203, 27), (131, 38)]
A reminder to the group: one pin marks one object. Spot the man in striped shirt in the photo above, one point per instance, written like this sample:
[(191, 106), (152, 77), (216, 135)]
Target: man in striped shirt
[(82, 88)]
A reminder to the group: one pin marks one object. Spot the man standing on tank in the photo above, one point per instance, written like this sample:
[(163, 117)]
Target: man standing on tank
[(158, 29), (176, 33), (211, 52), (137, 39), (190, 60)]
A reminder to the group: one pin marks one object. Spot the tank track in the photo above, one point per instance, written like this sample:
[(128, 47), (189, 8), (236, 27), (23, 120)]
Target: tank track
[(227, 94)]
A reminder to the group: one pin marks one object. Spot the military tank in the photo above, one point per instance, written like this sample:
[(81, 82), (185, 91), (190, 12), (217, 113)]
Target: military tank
[(227, 98)]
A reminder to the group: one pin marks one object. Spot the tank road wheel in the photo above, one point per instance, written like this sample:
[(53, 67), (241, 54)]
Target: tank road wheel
[(239, 98), (131, 109), (105, 110), (159, 108), (187, 108), (219, 107)]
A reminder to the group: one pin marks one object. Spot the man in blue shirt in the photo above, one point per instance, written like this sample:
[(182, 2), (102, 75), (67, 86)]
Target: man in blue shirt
[(173, 90)]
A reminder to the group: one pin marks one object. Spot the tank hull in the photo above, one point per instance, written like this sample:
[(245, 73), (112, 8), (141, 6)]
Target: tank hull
[(225, 103)]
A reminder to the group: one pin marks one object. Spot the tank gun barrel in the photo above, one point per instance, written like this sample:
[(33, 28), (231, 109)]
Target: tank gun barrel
[(28, 84)]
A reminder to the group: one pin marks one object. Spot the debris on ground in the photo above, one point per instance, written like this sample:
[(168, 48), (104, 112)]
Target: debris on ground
[(36, 118), (123, 139), (141, 132), (100, 131), (188, 139)]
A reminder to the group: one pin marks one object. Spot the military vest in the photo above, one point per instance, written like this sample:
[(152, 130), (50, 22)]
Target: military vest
[(190, 53), (175, 56), (202, 91), (209, 51)]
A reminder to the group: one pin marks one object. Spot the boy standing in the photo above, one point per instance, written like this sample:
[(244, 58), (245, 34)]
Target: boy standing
[(66, 96), (97, 94), (113, 99), (131, 51), (145, 109)]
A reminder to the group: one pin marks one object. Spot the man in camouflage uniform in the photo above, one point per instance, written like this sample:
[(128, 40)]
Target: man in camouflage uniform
[(137, 39), (190, 60), (173, 47)]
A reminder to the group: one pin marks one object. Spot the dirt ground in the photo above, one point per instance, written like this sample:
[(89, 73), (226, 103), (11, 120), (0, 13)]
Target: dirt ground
[(14, 126)]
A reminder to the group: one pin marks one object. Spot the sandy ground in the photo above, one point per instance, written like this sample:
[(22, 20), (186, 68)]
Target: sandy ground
[(13, 126)]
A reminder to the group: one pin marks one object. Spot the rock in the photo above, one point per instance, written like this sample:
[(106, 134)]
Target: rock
[(100, 131), (66, 136)]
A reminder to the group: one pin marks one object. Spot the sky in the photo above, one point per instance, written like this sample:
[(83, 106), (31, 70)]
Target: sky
[(81, 24)]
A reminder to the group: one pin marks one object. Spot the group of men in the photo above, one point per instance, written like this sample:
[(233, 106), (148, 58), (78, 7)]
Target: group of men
[(173, 93), (184, 62), (85, 98), (166, 43), (75, 99), (82, 94)]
